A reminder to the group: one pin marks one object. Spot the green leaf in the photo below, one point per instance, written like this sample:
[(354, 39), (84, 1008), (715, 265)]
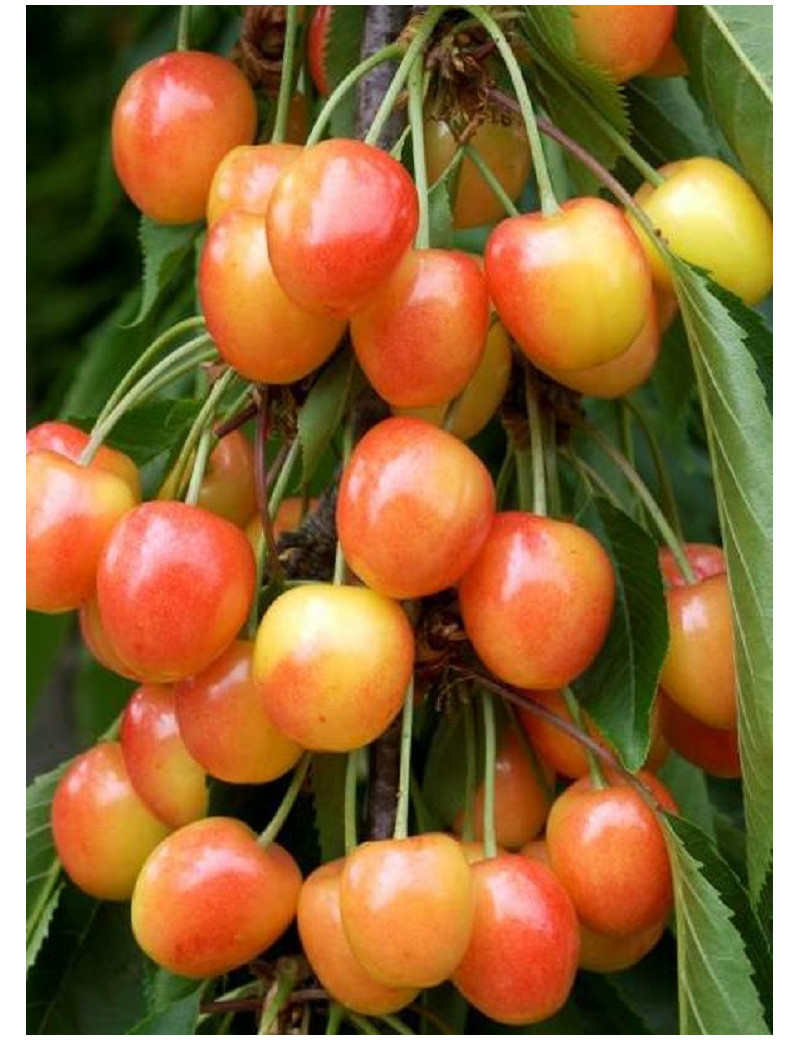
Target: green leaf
[(739, 431), (42, 868), (668, 122), (45, 637), (619, 687), (341, 52), (98, 697), (729, 51), (324, 409), (716, 989), (149, 429), (41, 926), (173, 1002), (164, 247), (440, 212), (688, 786), (327, 784)]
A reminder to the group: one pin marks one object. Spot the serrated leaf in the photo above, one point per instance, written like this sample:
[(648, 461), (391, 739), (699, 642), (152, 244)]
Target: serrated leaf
[(164, 247), (42, 868), (324, 408), (739, 431), (38, 934), (716, 989), (669, 123), (687, 785), (177, 1018), (440, 211), (341, 52), (619, 687), (327, 785), (729, 52), (161, 988)]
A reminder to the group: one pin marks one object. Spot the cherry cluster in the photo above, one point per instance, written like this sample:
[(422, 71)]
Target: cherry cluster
[(305, 245)]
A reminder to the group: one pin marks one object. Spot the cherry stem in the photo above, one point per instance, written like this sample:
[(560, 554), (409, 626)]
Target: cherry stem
[(270, 833), (397, 1024), (523, 471), (489, 767), (547, 197), (423, 31), (287, 78), (279, 996), (536, 765), (199, 467), (667, 494), (416, 94), (629, 451), (671, 540), (184, 21), (241, 411), (334, 1022), (471, 751), (397, 147), (574, 709), (362, 1024), (350, 811), (538, 472), (404, 782), (272, 563), (493, 183), (348, 438), (202, 422), (590, 476), (504, 476)]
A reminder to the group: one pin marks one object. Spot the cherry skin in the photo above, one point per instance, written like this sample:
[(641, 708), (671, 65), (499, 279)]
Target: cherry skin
[(706, 561), (523, 951), (319, 921), (339, 221), (175, 119), (225, 725), (711, 217), (414, 508), (70, 511), (315, 47), (97, 642), (560, 751), (623, 40), (259, 331), (159, 765), (228, 487), (70, 442), (174, 586), (102, 830), (420, 338), (537, 601), (715, 751), (406, 908), (333, 663), (210, 898), (607, 849), (245, 178), (502, 146)]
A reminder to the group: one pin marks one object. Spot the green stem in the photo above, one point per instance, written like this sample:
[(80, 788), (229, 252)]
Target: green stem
[(334, 1022), (348, 438), (493, 183), (202, 420), (471, 751), (269, 557), (629, 451), (389, 53), (404, 781), (547, 197), (416, 94), (397, 1024), (524, 490), (590, 476), (397, 147), (362, 1024), (424, 29), (350, 810), (286, 982), (184, 20), (270, 833), (287, 69), (667, 494), (282, 480), (505, 474), (490, 765), (574, 709), (199, 467), (538, 474)]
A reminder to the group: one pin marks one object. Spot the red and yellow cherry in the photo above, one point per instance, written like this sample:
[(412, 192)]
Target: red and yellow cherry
[(414, 508), (523, 951), (166, 777), (102, 830), (175, 119), (70, 442), (607, 849), (224, 722), (210, 898), (537, 601), (339, 221), (228, 487), (420, 338), (710, 216), (480, 399), (70, 511), (623, 40), (572, 288), (245, 178), (174, 586), (706, 561), (407, 908), (716, 751), (315, 47), (319, 921), (503, 147), (333, 663), (97, 642), (522, 796), (259, 331), (558, 749)]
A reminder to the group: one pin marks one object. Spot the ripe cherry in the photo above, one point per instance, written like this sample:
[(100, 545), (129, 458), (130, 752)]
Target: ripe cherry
[(228, 487), (245, 178), (558, 749), (102, 830), (97, 642), (174, 120), (210, 898), (716, 751), (414, 508), (70, 442), (623, 40)]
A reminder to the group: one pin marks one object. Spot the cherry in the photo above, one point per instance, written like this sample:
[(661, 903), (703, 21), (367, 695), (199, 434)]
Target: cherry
[(159, 765), (174, 586), (716, 751), (315, 47), (333, 663), (406, 908), (538, 599), (573, 288), (523, 951), (210, 898), (245, 178), (420, 338), (224, 722), (339, 221), (228, 487), (706, 561), (102, 830), (70, 442), (414, 508), (174, 120), (97, 642), (259, 331), (560, 751), (319, 921), (623, 40)]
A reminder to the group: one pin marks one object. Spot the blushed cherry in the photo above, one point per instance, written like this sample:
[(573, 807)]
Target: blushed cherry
[(97, 642), (623, 40), (715, 751), (245, 178), (69, 441)]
